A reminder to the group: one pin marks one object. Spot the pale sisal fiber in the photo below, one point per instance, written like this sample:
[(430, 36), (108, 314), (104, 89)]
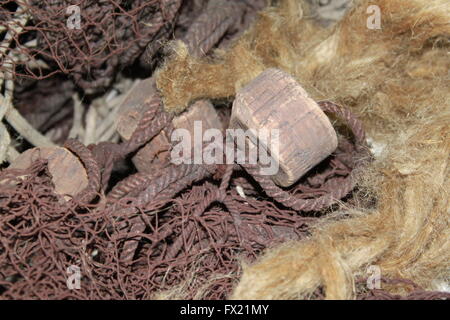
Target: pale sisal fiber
[(397, 80)]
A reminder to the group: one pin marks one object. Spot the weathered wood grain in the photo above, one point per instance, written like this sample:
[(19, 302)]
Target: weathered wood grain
[(274, 100), (156, 154), (68, 173)]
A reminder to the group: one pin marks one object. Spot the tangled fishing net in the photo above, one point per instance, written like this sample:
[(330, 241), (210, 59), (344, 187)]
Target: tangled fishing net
[(223, 231), (91, 40)]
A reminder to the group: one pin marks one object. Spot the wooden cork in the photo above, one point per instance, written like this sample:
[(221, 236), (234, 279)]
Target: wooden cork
[(132, 107), (156, 154), (68, 173), (274, 100)]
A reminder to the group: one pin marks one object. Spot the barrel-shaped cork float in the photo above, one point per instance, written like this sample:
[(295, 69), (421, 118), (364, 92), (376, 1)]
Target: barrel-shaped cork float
[(133, 106), (68, 173), (155, 153), (275, 100)]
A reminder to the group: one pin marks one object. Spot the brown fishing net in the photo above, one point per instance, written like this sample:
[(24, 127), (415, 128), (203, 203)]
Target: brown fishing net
[(149, 233), (187, 241), (105, 37), (179, 232)]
